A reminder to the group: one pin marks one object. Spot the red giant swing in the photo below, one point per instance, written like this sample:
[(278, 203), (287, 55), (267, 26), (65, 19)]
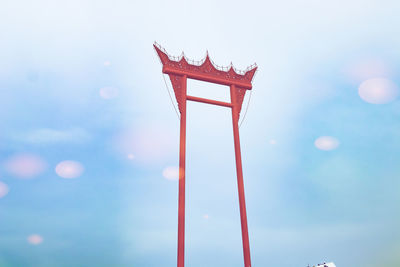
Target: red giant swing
[(179, 70)]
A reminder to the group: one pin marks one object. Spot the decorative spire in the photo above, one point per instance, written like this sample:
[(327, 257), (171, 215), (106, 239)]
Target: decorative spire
[(207, 67)]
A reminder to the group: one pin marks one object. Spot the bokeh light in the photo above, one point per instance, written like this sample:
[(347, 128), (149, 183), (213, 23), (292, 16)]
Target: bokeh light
[(35, 239), (146, 144), (107, 63), (368, 68), (378, 91), (108, 92), (326, 143), (171, 173), (130, 156), (69, 169), (272, 142), (3, 189), (25, 166), (206, 216)]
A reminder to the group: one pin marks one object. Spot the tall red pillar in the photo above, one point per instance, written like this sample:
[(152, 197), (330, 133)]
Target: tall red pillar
[(182, 161), (239, 173)]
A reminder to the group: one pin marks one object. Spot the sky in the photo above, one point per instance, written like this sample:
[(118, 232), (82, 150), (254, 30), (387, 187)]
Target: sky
[(89, 138)]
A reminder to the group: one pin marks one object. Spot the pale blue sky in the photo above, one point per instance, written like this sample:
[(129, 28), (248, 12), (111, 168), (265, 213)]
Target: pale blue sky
[(80, 81)]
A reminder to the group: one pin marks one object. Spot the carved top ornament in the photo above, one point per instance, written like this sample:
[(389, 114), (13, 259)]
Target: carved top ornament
[(205, 69)]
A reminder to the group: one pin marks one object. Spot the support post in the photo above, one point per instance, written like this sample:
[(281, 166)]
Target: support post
[(239, 172), (182, 161)]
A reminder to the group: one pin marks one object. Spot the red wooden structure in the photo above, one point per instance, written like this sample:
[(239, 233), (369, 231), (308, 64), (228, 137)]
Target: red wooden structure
[(179, 70)]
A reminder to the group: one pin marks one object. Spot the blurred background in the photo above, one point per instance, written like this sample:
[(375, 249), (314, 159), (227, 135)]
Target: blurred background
[(89, 137)]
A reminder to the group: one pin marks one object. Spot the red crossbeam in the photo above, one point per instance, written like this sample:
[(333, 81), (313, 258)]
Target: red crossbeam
[(208, 101), (206, 77)]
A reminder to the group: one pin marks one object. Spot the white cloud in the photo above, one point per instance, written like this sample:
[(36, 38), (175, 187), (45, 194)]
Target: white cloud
[(47, 135)]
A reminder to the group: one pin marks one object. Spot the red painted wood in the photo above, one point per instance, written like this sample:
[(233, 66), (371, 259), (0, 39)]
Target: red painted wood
[(208, 101), (179, 71), (182, 164), (205, 70), (239, 173), (206, 77)]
